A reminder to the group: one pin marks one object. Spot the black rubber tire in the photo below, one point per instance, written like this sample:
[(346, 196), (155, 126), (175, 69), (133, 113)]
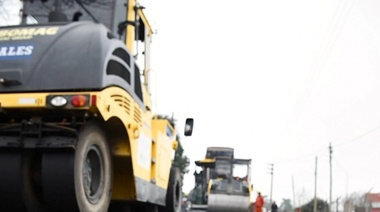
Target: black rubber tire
[(63, 174), (174, 192), (31, 166), (11, 182), (93, 146), (58, 181), (18, 192)]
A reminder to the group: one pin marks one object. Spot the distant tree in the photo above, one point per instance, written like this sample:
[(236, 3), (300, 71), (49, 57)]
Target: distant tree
[(303, 197), (322, 206), (286, 206), (355, 201), (181, 161)]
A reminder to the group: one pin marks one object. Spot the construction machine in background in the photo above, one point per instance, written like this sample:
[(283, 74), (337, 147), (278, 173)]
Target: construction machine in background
[(77, 128), (223, 184)]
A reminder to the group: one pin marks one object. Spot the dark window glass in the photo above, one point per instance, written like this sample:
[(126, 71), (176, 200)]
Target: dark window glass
[(138, 89), (121, 53), (103, 10), (115, 68), (169, 131)]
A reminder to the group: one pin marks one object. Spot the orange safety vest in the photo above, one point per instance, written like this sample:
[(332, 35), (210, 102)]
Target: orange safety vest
[(259, 204)]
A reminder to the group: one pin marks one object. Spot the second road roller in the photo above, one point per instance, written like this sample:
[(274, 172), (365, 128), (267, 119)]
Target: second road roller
[(223, 183)]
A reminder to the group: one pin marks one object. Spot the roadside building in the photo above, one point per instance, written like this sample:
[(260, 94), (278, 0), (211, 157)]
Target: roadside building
[(372, 202)]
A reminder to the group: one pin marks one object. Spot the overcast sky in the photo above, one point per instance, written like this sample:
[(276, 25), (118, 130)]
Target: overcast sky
[(278, 81)]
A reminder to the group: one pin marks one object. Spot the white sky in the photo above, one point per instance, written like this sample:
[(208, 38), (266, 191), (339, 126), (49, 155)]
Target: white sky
[(278, 81)]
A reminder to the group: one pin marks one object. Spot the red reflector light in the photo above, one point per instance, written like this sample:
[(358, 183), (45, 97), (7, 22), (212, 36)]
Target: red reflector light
[(93, 100), (79, 101)]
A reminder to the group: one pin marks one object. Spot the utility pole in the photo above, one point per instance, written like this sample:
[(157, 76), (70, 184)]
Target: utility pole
[(330, 150), (315, 185), (294, 194), (337, 204), (271, 182)]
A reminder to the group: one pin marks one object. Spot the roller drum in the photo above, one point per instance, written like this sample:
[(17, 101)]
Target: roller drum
[(227, 203)]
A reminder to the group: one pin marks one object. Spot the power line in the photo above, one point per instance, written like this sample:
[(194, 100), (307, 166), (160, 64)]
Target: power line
[(332, 33), (313, 153), (337, 164), (310, 80), (306, 155), (358, 137)]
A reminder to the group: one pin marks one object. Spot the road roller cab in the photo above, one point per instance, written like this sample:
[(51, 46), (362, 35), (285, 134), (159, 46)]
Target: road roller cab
[(77, 131)]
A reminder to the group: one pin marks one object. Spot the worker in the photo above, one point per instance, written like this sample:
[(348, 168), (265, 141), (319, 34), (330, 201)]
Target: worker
[(259, 204), (199, 194), (274, 207)]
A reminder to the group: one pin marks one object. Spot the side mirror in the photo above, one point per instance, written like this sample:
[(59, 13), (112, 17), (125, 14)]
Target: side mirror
[(189, 126)]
